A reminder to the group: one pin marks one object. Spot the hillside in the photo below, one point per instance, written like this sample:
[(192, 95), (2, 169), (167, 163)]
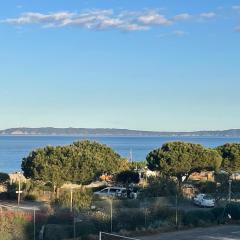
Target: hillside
[(113, 132)]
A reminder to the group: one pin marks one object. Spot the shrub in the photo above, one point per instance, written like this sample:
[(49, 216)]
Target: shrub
[(207, 187), (82, 199), (4, 177), (158, 187), (127, 177), (198, 218), (30, 197), (15, 226), (58, 232), (233, 209)]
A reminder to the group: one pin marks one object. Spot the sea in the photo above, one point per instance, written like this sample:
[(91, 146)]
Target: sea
[(14, 148)]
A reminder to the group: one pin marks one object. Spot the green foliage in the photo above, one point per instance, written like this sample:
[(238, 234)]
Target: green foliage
[(4, 178), (82, 199), (80, 162), (11, 190), (180, 159), (138, 165), (233, 209), (206, 187), (15, 226), (230, 153), (198, 218), (58, 232), (30, 197), (127, 177), (158, 187)]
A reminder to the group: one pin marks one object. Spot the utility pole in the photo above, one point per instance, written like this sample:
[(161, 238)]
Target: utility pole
[(131, 156), (71, 200), (74, 227), (19, 192), (34, 223), (176, 216), (229, 190), (111, 213)]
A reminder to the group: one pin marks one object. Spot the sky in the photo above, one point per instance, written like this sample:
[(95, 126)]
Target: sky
[(139, 64)]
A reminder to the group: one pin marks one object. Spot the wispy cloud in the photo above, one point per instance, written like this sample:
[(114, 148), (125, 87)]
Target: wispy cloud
[(153, 17), (179, 33), (176, 33), (236, 7), (207, 15), (237, 29), (182, 17), (100, 19)]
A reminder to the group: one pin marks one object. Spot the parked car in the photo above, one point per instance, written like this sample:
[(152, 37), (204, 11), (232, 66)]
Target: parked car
[(203, 200), (112, 192)]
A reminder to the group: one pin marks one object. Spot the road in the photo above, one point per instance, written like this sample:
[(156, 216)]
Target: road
[(227, 232), (25, 206)]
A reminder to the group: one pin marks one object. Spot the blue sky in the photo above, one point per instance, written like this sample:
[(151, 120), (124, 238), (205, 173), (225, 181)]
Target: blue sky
[(152, 65)]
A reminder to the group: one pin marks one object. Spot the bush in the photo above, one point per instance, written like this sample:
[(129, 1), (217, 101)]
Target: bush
[(159, 187), (198, 218), (207, 187), (15, 226), (4, 178), (11, 190), (58, 232), (30, 197), (82, 199), (127, 177), (233, 209)]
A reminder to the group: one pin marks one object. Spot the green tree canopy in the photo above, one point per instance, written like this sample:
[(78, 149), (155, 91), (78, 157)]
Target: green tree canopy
[(127, 177), (4, 178), (80, 162), (230, 153), (181, 159)]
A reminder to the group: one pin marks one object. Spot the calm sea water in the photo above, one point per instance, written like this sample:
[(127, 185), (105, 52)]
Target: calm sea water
[(14, 148)]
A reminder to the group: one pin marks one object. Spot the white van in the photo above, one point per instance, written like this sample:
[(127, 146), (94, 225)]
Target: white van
[(112, 191)]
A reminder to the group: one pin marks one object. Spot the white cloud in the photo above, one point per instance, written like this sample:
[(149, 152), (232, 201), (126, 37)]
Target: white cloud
[(182, 17), (176, 33), (179, 33), (236, 7), (153, 17), (93, 19), (100, 19), (207, 15), (38, 18), (134, 27)]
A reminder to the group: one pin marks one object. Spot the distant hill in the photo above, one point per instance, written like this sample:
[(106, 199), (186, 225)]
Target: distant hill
[(113, 132)]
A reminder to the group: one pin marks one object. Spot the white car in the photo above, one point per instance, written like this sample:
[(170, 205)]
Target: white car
[(203, 200), (112, 192)]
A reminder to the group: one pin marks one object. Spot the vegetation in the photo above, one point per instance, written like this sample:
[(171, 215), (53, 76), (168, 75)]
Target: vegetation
[(4, 178), (15, 226), (83, 162), (158, 187), (230, 153), (82, 199), (127, 177), (80, 162), (180, 160)]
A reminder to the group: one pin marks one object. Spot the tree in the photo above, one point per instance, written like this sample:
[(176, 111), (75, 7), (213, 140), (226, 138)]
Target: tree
[(180, 160), (4, 178), (127, 177), (80, 162), (230, 153)]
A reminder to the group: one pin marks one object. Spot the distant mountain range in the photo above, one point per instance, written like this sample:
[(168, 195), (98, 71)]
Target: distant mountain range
[(47, 131)]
